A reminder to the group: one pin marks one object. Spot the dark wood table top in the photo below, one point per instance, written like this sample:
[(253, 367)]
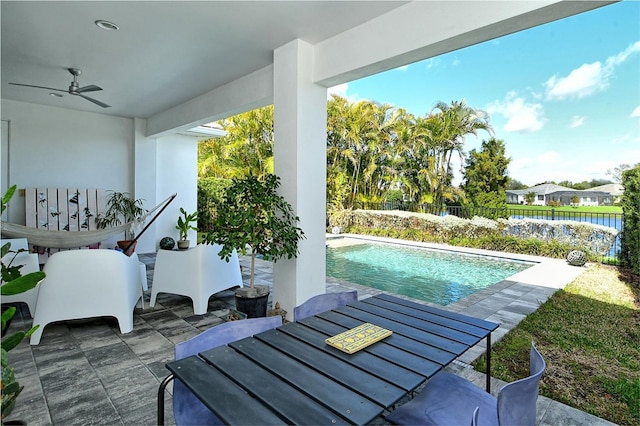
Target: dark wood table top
[(289, 375)]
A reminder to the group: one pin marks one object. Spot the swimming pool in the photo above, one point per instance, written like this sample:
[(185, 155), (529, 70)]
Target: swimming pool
[(436, 276)]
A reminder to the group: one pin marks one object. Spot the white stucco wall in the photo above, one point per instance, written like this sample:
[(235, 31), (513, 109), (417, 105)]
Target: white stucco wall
[(57, 147), (177, 172)]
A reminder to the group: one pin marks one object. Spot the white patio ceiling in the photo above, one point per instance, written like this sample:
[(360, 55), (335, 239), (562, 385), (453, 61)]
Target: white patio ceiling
[(168, 53)]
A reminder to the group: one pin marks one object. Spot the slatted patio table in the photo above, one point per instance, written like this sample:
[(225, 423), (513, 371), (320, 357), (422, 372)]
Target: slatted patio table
[(289, 375)]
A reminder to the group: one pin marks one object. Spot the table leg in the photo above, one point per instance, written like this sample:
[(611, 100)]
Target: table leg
[(488, 384), (161, 389)]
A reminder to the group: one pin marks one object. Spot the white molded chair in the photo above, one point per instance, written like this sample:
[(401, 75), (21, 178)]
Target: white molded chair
[(86, 284), (197, 273), (30, 264)]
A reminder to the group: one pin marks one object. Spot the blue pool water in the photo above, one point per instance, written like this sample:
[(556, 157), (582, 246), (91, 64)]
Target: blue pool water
[(440, 277)]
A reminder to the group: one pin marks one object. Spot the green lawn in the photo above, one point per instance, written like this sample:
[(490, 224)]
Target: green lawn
[(589, 335), (578, 209)]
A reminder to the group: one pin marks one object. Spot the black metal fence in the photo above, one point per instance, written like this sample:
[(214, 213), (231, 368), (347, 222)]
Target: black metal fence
[(612, 220)]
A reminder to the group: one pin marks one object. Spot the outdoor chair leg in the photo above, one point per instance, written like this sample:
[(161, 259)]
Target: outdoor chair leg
[(161, 389), (488, 384)]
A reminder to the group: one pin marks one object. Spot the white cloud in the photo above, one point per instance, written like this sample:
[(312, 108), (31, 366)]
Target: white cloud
[(433, 62), (403, 68), (521, 116), (636, 112), (456, 62), (627, 137), (519, 167), (576, 121), (549, 157), (340, 90), (616, 60), (588, 78), (581, 82)]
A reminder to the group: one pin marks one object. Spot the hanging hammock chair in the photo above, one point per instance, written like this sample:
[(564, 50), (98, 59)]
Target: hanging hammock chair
[(65, 239)]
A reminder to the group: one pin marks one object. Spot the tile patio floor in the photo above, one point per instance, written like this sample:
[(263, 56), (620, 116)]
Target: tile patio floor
[(86, 372)]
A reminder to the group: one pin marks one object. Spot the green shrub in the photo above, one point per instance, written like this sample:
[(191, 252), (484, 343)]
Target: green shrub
[(524, 236), (210, 194), (393, 196), (13, 282), (630, 241)]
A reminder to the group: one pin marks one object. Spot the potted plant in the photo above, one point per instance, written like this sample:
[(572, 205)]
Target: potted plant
[(123, 208), (255, 219), (13, 282), (184, 225)]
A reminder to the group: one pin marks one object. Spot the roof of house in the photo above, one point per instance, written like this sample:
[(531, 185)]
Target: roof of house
[(611, 188), (549, 188), (545, 188)]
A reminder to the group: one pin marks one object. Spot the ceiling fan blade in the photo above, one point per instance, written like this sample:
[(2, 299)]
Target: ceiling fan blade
[(95, 101), (90, 88), (40, 87)]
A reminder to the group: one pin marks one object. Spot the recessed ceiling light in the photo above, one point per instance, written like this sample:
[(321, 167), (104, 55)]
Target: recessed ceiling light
[(57, 95), (106, 25)]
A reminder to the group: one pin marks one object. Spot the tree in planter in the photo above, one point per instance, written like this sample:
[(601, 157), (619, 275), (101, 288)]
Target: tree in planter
[(13, 282), (256, 218)]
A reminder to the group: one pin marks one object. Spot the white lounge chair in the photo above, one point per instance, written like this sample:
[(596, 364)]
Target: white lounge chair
[(86, 284), (197, 273)]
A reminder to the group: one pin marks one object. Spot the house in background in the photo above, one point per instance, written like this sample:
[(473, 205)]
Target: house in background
[(615, 189), (547, 193)]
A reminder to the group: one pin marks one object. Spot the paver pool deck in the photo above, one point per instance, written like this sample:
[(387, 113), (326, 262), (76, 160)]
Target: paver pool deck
[(87, 372)]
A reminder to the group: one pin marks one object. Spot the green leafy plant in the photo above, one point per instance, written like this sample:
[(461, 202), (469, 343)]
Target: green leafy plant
[(184, 223), (122, 208), (13, 282), (630, 241), (257, 218)]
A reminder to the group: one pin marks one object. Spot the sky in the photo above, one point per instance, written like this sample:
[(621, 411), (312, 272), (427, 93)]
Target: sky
[(564, 96)]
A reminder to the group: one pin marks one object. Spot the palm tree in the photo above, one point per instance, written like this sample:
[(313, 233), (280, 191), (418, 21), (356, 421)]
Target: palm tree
[(247, 147), (456, 121)]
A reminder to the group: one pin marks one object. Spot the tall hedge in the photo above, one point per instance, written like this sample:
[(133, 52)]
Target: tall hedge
[(630, 241), (210, 194)]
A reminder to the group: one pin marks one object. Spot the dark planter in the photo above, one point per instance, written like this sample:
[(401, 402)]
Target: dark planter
[(254, 307)]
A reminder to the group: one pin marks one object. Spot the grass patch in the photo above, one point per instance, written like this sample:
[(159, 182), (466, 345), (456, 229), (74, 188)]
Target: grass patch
[(589, 335), (569, 209)]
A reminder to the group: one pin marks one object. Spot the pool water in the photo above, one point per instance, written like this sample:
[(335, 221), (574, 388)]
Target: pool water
[(435, 276)]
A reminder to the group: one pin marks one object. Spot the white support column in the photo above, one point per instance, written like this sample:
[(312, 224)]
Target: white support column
[(145, 179), (300, 116)]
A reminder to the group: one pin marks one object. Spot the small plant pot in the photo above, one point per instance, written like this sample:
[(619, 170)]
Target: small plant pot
[(123, 244), (183, 244)]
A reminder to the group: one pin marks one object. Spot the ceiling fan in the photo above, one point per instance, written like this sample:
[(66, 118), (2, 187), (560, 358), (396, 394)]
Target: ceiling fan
[(74, 88)]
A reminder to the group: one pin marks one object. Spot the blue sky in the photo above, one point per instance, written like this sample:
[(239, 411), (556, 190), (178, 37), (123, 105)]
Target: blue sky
[(564, 96)]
